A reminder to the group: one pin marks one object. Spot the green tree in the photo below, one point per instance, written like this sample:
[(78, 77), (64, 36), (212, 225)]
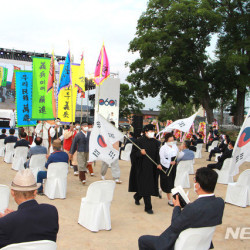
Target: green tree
[(129, 102), (174, 111), (234, 47), (171, 38)]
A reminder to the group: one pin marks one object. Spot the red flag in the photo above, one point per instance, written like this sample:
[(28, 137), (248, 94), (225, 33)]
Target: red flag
[(50, 85), (51, 73), (13, 83)]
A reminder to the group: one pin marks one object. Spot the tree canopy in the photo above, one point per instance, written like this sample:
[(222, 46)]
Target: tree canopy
[(129, 102), (172, 37)]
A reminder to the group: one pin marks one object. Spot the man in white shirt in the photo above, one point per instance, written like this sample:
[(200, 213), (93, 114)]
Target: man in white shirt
[(41, 130)]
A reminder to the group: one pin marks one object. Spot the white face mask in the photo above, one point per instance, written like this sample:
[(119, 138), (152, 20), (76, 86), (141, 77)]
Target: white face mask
[(58, 123), (85, 129), (77, 127), (150, 134), (89, 129), (171, 143)]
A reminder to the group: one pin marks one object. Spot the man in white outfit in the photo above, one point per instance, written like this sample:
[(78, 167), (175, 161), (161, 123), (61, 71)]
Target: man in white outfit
[(41, 130)]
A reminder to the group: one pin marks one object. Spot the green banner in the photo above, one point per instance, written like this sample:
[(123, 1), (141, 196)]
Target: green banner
[(5, 74), (41, 100)]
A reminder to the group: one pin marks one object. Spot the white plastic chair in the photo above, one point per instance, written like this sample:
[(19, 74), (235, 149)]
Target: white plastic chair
[(214, 144), (217, 155), (224, 174), (198, 150), (56, 182), (95, 207), (125, 154), (37, 163), (32, 245), (4, 197), (238, 193), (182, 174), (9, 151), (20, 157), (2, 147), (195, 239)]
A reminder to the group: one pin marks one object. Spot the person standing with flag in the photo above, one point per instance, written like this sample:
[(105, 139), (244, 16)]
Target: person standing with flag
[(143, 177), (81, 145)]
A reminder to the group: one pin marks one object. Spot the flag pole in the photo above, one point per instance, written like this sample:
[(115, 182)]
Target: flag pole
[(71, 86), (165, 172)]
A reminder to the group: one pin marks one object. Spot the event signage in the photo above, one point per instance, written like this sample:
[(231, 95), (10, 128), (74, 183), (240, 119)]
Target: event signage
[(5, 74), (23, 98), (42, 108), (67, 96)]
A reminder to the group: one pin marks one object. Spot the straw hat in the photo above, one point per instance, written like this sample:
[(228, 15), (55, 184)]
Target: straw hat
[(24, 181), (57, 143)]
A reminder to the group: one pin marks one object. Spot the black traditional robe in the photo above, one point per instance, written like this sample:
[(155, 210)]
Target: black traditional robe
[(143, 177)]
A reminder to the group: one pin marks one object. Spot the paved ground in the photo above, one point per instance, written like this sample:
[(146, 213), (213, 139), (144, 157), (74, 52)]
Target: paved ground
[(128, 220)]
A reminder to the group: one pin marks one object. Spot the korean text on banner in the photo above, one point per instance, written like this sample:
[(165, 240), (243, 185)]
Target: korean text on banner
[(67, 105), (5, 74), (241, 152), (42, 108), (23, 98), (102, 138)]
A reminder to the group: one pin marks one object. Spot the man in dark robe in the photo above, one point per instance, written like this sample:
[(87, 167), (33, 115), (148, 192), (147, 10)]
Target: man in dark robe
[(143, 175)]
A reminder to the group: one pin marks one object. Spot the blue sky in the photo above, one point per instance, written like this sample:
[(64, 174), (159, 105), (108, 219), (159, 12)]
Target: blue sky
[(45, 25)]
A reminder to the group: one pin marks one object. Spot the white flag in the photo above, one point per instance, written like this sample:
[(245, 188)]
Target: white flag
[(102, 138), (241, 152), (183, 124)]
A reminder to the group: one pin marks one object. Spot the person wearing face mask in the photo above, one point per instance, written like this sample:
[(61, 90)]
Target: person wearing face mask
[(222, 147), (225, 155), (168, 153), (206, 211), (68, 135), (57, 131), (143, 177), (81, 145)]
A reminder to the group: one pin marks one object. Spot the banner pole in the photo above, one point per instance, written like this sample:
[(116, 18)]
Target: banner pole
[(165, 172)]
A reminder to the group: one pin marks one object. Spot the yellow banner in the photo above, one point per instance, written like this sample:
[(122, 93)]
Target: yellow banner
[(67, 104), (1, 75)]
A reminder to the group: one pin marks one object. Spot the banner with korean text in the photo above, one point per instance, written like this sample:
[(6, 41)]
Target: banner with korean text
[(67, 104), (5, 74), (42, 108), (23, 98)]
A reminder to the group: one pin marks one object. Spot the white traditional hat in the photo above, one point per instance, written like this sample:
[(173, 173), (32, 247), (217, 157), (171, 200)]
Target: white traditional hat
[(24, 181)]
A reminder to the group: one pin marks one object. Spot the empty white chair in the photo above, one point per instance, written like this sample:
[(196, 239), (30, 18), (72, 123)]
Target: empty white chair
[(20, 157), (217, 155), (56, 182), (195, 239), (9, 152), (4, 197), (214, 144), (2, 147), (37, 163), (32, 245), (238, 193), (198, 150), (125, 154), (225, 175), (182, 174), (95, 207)]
